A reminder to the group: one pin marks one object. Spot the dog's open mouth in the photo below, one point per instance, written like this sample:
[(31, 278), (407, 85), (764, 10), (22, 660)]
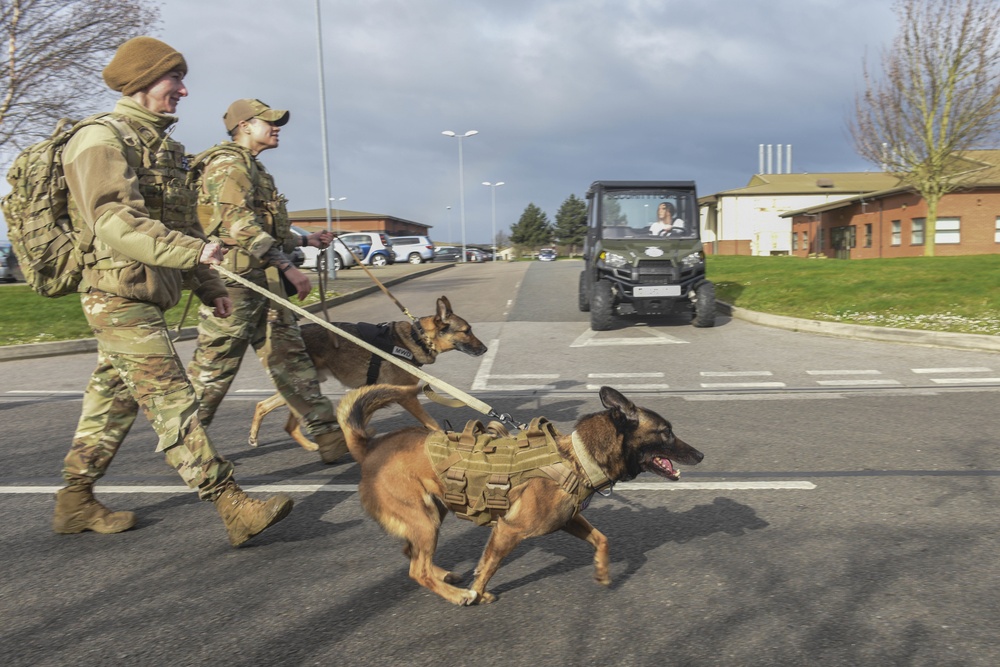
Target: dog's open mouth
[(663, 466)]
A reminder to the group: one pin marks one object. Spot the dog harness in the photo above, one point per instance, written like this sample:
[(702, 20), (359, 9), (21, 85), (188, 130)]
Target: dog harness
[(381, 336), (480, 466)]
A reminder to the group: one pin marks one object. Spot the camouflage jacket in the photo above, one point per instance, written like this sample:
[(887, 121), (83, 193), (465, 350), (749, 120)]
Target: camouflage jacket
[(133, 193), (239, 203)]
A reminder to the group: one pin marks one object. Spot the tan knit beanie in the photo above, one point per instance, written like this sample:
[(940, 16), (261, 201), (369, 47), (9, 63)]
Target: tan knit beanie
[(139, 62)]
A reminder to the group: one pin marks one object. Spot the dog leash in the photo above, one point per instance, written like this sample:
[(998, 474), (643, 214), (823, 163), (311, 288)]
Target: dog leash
[(416, 322), (466, 399)]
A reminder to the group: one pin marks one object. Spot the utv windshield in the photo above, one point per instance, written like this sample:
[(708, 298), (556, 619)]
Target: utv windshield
[(648, 214)]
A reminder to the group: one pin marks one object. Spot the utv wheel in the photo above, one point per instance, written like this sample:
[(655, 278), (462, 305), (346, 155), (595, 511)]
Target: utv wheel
[(602, 306), (704, 306), (584, 296), (415, 258)]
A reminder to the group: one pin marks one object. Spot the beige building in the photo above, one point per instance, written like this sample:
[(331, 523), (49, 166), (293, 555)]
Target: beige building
[(748, 220)]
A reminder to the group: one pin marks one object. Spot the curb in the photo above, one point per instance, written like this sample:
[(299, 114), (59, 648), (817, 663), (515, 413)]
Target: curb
[(955, 341), (81, 345)]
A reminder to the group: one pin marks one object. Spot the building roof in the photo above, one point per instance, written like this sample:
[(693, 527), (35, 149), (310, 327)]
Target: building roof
[(982, 169), (319, 214), (812, 184)]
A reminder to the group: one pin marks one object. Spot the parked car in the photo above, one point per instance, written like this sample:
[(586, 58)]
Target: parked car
[(447, 253), (376, 248), (476, 255), (413, 249), (547, 255), (8, 265), (342, 259)]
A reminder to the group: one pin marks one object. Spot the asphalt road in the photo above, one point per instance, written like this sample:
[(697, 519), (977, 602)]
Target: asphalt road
[(845, 512)]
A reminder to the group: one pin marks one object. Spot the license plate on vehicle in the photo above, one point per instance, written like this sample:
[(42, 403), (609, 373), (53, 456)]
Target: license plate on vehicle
[(656, 290)]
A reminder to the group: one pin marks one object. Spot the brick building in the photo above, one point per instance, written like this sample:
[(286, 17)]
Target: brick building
[(891, 222), (314, 220)]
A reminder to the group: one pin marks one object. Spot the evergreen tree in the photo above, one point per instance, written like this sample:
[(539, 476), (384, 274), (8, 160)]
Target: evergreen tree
[(533, 229), (571, 223)]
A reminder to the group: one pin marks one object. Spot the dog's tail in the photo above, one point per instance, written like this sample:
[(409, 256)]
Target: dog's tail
[(357, 407)]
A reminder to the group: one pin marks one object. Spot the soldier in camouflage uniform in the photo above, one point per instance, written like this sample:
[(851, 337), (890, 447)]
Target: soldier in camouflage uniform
[(132, 192), (238, 203)]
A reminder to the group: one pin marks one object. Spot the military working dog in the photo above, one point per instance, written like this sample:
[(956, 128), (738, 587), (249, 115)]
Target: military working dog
[(409, 493), (417, 343)]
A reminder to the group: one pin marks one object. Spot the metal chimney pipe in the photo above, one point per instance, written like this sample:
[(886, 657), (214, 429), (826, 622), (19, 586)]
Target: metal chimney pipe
[(760, 159), (788, 162), (770, 158), (780, 152)]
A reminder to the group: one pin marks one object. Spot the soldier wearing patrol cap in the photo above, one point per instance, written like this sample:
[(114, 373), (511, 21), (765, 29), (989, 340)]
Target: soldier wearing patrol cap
[(239, 203), (127, 184)]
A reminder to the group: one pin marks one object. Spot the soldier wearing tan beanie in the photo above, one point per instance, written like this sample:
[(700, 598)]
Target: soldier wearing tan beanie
[(139, 62), (128, 183)]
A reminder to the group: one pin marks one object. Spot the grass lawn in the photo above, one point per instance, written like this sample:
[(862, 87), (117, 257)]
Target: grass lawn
[(26, 317), (958, 294)]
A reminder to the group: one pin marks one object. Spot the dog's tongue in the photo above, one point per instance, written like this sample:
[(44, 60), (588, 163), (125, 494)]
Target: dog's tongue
[(667, 468)]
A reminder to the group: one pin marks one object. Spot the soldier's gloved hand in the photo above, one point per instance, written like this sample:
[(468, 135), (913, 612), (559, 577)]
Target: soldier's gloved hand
[(320, 240), (212, 253), (300, 282)]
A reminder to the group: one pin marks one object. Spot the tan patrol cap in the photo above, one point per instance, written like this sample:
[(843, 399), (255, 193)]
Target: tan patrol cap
[(245, 109)]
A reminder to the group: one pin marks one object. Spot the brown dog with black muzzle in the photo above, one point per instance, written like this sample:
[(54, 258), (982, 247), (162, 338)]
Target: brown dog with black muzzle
[(409, 493), (417, 343)]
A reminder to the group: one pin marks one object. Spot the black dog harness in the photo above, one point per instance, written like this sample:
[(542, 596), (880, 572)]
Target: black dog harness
[(380, 336)]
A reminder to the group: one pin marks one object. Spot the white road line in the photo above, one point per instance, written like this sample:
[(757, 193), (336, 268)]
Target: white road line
[(844, 372), (763, 397), (551, 376), (46, 391), (631, 387), (651, 337), (612, 376), (735, 374), (969, 369), (963, 380), (712, 486), (480, 382), (851, 383), (742, 385), (352, 488)]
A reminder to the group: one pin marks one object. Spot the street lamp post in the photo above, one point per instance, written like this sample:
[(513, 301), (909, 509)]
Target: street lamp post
[(493, 197), (461, 180), (331, 268)]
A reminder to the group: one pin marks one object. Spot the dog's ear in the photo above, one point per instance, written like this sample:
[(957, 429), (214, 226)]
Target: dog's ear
[(443, 308), (621, 408)]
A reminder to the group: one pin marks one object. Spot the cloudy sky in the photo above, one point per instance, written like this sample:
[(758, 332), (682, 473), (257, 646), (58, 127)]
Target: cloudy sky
[(562, 92)]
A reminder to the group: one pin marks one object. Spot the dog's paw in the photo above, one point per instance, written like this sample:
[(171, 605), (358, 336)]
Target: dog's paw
[(487, 598), (452, 578), (468, 598), (602, 579)]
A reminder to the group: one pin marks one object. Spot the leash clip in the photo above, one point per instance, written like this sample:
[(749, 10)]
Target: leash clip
[(507, 420)]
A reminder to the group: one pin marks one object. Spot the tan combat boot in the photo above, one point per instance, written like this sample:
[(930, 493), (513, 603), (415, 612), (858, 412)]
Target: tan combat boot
[(77, 510), (245, 516), (332, 445)]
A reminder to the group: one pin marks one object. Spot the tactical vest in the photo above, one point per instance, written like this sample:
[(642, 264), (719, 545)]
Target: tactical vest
[(161, 168), (479, 467), (269, 206)]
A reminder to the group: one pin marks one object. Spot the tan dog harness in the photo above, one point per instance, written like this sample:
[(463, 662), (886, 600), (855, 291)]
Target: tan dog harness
[(480, 466)]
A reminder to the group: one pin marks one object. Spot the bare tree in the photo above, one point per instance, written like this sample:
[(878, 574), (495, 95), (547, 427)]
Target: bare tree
[(938, 95), (55, 51)]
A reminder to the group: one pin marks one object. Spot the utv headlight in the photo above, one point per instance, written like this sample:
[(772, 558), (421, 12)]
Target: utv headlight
[(693, 260), (614, 260)]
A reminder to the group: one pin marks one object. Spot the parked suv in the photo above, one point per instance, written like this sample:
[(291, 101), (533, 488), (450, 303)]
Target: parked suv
[(643, 254), (413, 249), (376, 248), (342, 259)]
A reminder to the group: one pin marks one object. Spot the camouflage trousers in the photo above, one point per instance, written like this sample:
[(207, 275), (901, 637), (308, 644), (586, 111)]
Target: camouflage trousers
[(138, 367), (275, 335)]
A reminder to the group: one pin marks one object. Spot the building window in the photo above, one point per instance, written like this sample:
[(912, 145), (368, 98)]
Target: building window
[(819, 240), (868, 235), (795, 241), (897, 232), (948, 231), (917, 231), (805, 241), (996, 232)]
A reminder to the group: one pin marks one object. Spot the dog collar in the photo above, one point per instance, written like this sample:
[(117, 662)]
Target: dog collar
[(595, 475), (420, 337)]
